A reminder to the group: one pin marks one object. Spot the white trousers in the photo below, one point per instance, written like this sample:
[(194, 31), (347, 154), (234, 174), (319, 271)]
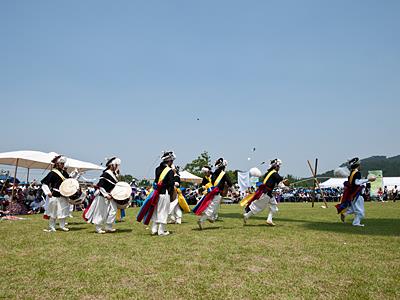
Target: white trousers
[(260, 204), (57, 207), (160, 214), (211, 211), (102, 211), (175, 211), (357, 208)]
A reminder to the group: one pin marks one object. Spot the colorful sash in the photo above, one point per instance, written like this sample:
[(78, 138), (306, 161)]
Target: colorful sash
[(349, 194), (147, 209), (206, 199), (182, 201), (207, 185), (120, 215), (246, 201)]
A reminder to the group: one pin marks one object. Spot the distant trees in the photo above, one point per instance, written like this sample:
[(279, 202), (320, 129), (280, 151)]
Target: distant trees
[(195, 166)]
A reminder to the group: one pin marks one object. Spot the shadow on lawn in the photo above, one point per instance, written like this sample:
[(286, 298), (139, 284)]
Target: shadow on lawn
[(239, 216), (76, 222), (206, 228), (76, 228), (379, 227), (258, 225), (122, 230), (373, 226)]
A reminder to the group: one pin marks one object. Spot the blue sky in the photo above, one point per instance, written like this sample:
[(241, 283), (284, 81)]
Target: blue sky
[(295, 79)]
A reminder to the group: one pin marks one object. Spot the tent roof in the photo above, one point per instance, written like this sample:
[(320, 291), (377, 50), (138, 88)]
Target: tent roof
[(78, 164), (333, 182), (189, 177), (41, 160), (390, 182), (26, 159)]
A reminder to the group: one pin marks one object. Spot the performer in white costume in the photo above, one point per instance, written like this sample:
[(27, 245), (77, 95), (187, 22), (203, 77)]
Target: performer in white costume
[(103, 209), (220, 181), (56, 206), (357, 205), (271, 179), (160, 214)]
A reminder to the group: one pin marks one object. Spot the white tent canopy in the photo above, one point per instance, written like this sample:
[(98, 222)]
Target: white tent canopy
[(333, 183), (390, 182), (78, 164), (41, 160), (189, 177), (26, 159)]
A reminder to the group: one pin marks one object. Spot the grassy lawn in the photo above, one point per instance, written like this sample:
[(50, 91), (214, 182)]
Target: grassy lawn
[(310, 254)]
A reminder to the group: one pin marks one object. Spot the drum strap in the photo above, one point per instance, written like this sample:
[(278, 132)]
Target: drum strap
[(163, 174), (113, 183), (59, 174), (112, 175), (268, 176)]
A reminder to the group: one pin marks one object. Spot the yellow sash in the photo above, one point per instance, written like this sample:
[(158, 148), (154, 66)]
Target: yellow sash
[(268, 176), (163, 174), (160, 179), (246, 199), (59, 174), (210, 185), (219, 178), (182, 201), (352, 175), (207, 185)]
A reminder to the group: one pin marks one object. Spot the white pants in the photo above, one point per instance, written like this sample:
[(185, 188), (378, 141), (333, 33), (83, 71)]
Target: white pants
[(357, 208), (102, 211), (211, 211), (56, 208), (175, 211), (160, 214), (261, 204)]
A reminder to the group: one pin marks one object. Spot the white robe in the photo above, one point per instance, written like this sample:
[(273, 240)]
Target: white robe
[(357, 205), (101, 211), (175, 211), (212, 209), (160, 214), (57, 207), (262, 203), (357, 208)]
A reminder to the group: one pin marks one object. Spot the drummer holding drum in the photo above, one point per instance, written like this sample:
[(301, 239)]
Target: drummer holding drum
[(57, 206), (110, 195)]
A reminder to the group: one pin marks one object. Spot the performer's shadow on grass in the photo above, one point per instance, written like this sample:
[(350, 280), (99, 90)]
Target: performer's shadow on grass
[(373, 226), (76, 223), (207, 228), (240, 216), (122, 230), (76, 228)]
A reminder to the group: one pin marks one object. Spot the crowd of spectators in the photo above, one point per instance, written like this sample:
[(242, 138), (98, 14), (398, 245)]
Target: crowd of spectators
[(29, 198)]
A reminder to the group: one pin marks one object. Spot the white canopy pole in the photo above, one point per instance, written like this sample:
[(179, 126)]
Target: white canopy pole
[(15, 179)]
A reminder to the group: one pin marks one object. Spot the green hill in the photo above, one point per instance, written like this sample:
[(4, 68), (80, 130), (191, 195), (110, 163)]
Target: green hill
[(389, 165)]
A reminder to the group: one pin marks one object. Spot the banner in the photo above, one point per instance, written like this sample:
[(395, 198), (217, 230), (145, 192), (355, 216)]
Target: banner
[(378, 183), (243, 181), (253, 181)]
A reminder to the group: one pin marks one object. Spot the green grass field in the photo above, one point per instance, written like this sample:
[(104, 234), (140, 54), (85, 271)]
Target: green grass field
[(308, 255)]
